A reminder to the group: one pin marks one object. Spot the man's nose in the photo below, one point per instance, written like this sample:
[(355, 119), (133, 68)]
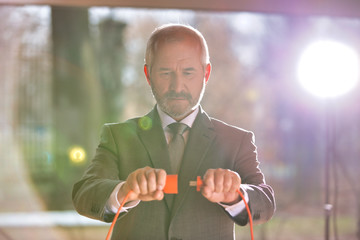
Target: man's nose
[(176, 83)]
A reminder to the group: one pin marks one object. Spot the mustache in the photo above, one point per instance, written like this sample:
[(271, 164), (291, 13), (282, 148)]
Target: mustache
[(182, 94)]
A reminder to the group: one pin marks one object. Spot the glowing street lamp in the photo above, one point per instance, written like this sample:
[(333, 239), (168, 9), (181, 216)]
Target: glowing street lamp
[(328, 69)]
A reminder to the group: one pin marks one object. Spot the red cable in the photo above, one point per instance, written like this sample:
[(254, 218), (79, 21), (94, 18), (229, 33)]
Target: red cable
[(117, 215), (173, 189), (249, 213)]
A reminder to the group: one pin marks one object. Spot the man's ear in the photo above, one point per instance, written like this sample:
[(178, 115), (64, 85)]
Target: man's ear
[(147, 73), (207, 72)]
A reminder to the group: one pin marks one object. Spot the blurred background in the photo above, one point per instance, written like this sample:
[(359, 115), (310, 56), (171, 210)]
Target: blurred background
[(65, 71)]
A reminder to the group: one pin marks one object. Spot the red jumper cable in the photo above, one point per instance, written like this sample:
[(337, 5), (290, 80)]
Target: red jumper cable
[(171, 187)]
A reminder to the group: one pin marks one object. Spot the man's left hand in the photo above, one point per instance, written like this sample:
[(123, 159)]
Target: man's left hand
[(220, 185)]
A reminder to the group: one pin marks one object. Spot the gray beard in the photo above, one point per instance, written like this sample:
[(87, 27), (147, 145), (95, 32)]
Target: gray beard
[(173, 111)]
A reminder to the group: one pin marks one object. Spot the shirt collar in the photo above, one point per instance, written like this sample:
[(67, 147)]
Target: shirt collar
[(166, 119)]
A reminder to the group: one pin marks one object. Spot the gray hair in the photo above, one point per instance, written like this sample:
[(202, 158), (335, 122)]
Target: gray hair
[(171, 32)]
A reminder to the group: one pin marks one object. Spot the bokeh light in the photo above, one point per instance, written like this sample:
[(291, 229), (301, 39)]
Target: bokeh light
[(145, 123), (328, 68), (77, 154)]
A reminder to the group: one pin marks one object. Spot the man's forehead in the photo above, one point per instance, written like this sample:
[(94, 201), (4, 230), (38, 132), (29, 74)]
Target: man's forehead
[(176, 39), (180, 58)]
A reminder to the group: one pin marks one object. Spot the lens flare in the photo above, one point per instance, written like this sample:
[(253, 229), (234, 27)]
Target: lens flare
[(328, 69), (145, 123), (77, 154)]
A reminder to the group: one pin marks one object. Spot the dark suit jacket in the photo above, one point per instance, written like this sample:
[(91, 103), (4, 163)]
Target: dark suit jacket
[(140, 142)]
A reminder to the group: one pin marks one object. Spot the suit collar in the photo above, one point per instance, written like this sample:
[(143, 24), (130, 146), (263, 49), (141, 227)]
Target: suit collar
[(166, 119)]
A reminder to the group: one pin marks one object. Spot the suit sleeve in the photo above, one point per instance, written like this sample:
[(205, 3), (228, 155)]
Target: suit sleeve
[(92, 192), (261, 195)]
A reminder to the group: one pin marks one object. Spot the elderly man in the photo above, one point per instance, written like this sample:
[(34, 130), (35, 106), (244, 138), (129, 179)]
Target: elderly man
[(176, 137)]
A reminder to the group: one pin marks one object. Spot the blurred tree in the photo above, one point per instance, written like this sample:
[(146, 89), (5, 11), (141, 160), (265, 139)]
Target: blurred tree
[(76, 98), (110, 57), (14, 176), (87, 90), (137, 97)]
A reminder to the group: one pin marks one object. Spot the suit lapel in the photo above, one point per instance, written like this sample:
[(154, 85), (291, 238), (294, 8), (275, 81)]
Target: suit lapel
[(154, 141), (201, 136)]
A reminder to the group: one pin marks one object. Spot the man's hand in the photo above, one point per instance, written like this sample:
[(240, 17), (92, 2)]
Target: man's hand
[(146, 183), (220, 185)]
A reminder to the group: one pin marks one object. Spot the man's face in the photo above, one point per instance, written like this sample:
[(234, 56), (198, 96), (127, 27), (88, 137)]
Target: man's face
[(178, 77)]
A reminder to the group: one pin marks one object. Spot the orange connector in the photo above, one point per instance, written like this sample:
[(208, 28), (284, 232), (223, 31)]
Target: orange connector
[(171, 185), (198, 183)]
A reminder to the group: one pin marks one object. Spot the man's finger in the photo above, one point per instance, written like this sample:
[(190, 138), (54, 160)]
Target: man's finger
[(218, 180), (151, 180), (142, 182), (161, 179), (208, 180), (228, 182)]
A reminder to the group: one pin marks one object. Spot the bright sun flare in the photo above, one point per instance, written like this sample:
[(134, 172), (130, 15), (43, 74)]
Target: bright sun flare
[(328, 69)]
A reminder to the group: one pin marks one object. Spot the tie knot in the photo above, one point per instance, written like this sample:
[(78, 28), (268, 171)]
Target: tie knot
[(177, 128)]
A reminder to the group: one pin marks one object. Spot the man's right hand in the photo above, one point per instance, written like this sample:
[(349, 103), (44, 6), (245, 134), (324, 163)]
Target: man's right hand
[(146, 183)]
